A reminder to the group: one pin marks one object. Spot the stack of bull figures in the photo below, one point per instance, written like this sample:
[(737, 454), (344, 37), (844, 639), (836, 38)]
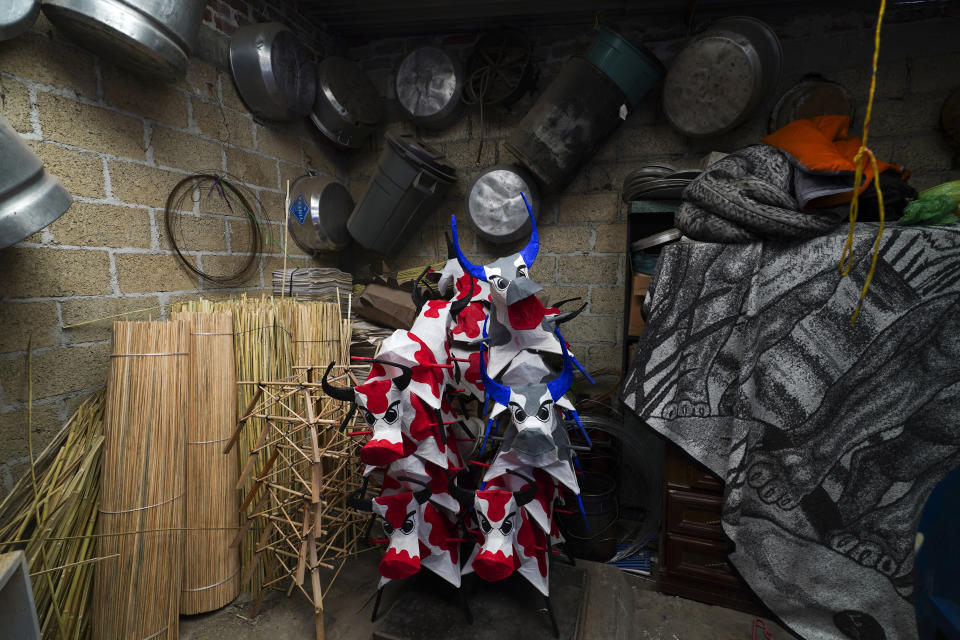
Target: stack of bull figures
[(479, 352)]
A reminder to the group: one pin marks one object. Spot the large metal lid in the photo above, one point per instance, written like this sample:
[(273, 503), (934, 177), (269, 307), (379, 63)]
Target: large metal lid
[(16, 16), (494, 204), (427, 82), (325, 205), (811, 97), (422, 154), (273, 71), (349, 91)]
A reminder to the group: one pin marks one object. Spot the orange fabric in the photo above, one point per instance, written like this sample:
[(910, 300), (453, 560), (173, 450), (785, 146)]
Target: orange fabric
[(824, 144)]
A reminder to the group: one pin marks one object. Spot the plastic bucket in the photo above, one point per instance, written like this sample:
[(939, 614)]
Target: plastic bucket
[(599, 494), (409, 184), (568, 123), (635, 69)]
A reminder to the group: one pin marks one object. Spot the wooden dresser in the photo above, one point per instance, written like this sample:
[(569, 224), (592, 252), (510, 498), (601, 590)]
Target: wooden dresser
[(693, 547)]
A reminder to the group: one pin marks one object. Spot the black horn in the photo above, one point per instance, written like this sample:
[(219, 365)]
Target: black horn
[(403, 379), (459, 305), (524, 495), (340, 393), (462, 496), (417, 295), (420, 496)]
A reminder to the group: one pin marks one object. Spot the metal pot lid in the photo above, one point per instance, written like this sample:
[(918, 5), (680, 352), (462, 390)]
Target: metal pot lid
[(809, 98), (657, 239), (495, 207), (428, 82), (273, 71), (319, 209), (764, 39), (349, 90), (423, 154), (16, 16)]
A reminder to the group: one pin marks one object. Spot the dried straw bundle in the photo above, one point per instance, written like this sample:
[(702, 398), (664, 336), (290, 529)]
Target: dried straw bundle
[(54, 526), (142, 483), (211, 569)]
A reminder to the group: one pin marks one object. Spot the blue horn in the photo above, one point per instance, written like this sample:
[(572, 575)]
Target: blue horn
[(529, 253), (469, 267), (492, 388), (561, 384)]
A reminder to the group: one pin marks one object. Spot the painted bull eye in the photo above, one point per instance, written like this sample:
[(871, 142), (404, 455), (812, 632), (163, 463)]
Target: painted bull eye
[(485, 524), (407, 525), (521, 272), (387, 527), (507, 526), (519, 415), (544, 413), (391, 415), (498, 282), (368, 417)]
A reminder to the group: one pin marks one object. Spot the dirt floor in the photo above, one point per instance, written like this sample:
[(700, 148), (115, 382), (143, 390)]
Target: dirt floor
[(618, 606)]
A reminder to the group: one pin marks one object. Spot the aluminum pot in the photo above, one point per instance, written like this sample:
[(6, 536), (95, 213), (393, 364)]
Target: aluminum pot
[(325, 205), (429, 86), (16, 16), (30, 198), (494, 204), (347, 106), (150, 37), (273, 71)]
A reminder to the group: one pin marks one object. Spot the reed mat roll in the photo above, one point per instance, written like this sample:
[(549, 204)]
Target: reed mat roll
[(137, 594), (211, 568)]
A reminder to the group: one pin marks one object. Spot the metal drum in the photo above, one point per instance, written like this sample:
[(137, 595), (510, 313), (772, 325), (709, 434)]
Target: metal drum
[(273, 71), (494, 204), (150, 37), (319, 209), (721, 77), (347, 106), (429, 85), (30, 198), (16, 16), (813, 96)]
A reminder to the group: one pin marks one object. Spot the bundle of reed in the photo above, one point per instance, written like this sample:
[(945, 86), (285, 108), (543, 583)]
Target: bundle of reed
[(211, 568), (137, 594), (55, 523)]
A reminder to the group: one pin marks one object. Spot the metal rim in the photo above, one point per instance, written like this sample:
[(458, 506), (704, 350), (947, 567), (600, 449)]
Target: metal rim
[(532, 194)]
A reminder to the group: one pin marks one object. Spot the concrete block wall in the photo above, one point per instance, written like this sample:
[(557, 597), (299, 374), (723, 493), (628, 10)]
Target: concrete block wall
[(583, 227), (119, 144)]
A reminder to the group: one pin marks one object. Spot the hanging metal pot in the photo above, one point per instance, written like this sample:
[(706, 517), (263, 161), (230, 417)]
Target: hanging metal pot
[(347, 106), (494, 204), (16, 16), (273, 71), (150, 37), (429, 86), (813, 96), (30, 198), (319, 208)]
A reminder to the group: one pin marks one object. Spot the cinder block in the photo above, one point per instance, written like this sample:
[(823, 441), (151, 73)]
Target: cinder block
[(201, 79), (544, 270), (272, 205), (603, 357), (551, 295), (588, 269), (148, 98), (251, 168), (460, 130), (564, 239), (588, 208), (56, 372), (83, 125), (607, 300), (28, 273), (228, 93), (280, 142), (933, 74), (184, 151), (240, 236), (289, 172), (653, 140), (84, 309), (21, 320), (897, 117), (195, 233), (102, 225), (80, 172), (225, 265), (153, 272), (925, 152), (611, 238), (216, 121), (13, 432), (138, 184), (591, 329), (15, 104), (463, 155), (323, 158), (35, 57)]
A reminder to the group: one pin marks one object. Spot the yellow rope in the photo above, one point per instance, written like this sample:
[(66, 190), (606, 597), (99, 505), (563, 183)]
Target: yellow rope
[(846, 258)]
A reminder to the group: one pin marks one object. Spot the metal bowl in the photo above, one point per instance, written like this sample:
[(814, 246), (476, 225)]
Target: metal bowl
[(16, 16), (495, 207), (273, 71), (347, 106), (429, 86), (326, 205)]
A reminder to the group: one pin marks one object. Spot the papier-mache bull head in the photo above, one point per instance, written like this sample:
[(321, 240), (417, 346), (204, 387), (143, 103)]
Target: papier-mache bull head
[(508, 277), (382, 403), (419, 534), (510, 542)]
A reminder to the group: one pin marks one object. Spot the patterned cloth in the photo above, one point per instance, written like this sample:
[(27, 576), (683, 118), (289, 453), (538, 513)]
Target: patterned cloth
[(829, 437)]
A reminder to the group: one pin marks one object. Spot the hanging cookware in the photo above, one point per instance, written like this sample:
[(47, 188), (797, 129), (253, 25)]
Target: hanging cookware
[(409, 183), (272, 71), (634, 68), (150, 37), (500, 68), (16, 16), (494, 204), (429, 86), (319, 208), (722, 76), (30, 198), (813, 96), (347, 106)]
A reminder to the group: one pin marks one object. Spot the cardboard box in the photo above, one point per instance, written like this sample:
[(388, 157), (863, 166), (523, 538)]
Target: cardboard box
[(638, 291), (388, 307)]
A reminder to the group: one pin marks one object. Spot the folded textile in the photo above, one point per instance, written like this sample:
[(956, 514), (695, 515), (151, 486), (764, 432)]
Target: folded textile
[(748, 196)]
